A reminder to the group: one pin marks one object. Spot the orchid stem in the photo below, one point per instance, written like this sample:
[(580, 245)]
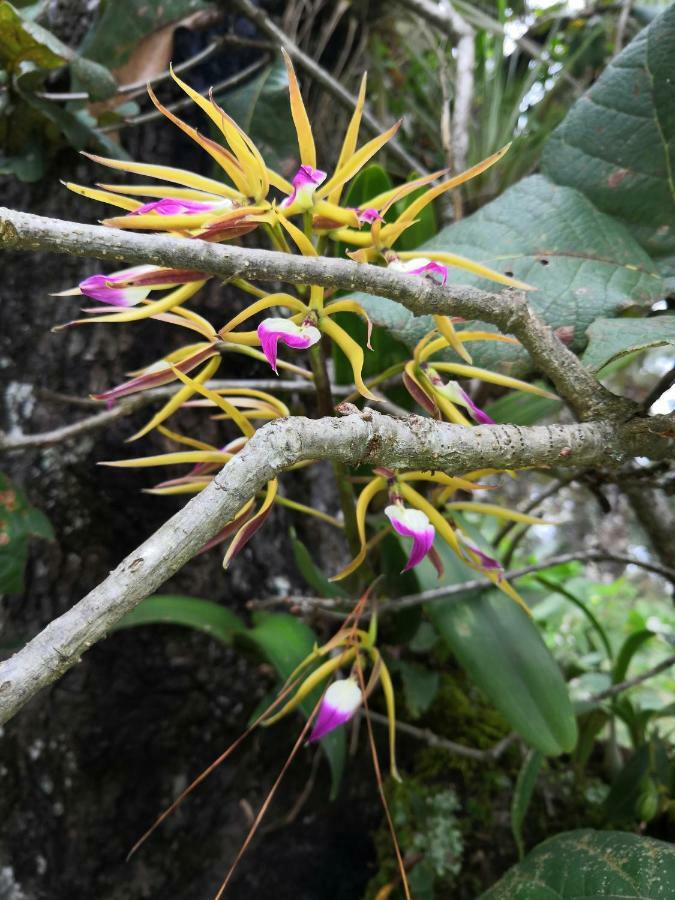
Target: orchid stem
[(325, 403)]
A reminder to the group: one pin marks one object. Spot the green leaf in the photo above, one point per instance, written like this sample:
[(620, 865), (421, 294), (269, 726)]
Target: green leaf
[(23, 41), (586, 864), (617, 143), (191, 612), (612, 339), (285, 641), (94, 78), (122, 24), (19, 521), (505, 655), (517, 408), (261, 108), (314, 577), (420, 685), (583, 264), (522, 795), (629, 648)]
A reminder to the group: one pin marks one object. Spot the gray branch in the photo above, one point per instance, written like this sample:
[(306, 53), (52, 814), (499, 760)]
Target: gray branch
[(509, 311), (366, 438)]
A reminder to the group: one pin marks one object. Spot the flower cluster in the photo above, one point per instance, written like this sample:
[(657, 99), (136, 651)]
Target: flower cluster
[(304, 215)]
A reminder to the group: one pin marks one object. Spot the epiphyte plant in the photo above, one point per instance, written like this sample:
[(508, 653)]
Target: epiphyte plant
[(303, 216)]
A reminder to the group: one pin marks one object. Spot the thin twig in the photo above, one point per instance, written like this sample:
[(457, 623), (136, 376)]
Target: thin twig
[(622, 686), (330, 84), (128, 405), (186, 102), (621, 24), (476, 584), (664, 384), (435, 740), (550, 491)]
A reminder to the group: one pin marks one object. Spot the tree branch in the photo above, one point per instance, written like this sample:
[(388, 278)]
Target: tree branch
[(366, 438), (508, 310)]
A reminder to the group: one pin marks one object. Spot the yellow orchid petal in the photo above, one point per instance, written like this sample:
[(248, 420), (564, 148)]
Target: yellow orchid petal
[(491, 509), (161, 191), (170, 459), (352, 165), (198, 323), (243, 148), (352, 237), (506, 588), (336, 213), (456, 482), (390, 703), (167, 173), (494, 378), (184, 439), (418, 205), (446, 328), (194, 487), (181, 221), (178, 398), (351, 136), (249, 528), (309, 511), (231, 411), (351, 350), (300, 118), (382, 202), (302, 242), (102, 196), (466, 335), (226, 160), (373, 487)]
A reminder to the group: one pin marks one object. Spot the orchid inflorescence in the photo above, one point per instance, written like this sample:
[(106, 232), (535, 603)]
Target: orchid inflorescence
[(302, 216)]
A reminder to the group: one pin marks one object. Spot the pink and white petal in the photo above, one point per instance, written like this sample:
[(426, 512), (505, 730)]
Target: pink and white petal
[(338, 705), (412, 523), (298, 337)]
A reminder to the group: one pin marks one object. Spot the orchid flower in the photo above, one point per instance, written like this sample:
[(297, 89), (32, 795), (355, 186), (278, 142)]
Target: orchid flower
[(415, 524), (338, 705), (305, 183), (420, 265), (174, 206), (299, 337)]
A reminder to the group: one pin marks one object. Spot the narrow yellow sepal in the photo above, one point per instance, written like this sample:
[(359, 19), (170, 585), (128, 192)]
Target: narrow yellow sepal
[(184, 439), (447, 330), (365, 497), (193, 487), (302, 242), (491, 509), (461, 262), (352, 165), (167, 173), (228, 408), (161, 191), (390, 703), (300, 117), (494, 378), (103, 196), (178, 398), (351, 350), (169, 459), (147, 310), (309, 511), (351, 136), (270, 494)]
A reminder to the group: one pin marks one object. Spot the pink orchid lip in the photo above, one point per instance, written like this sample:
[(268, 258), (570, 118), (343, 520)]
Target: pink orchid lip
[(369, 215), (476, 412), (298, 337), (412, 523), (305, 181), (102, 287), (421, 266), (457, 395), (170, 206), (338, 705), (487, 562)]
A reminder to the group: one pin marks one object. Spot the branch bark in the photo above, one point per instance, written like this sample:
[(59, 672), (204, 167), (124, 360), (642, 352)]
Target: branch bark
[(356, 439), (509, 311)]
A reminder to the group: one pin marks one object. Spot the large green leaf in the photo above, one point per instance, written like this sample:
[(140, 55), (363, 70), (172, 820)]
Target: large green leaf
[(24, 41), (586, 864), (191, 612), (583, 264), (505, 655), (122, 24), (610, 339), (617, 143), (261, 108)]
